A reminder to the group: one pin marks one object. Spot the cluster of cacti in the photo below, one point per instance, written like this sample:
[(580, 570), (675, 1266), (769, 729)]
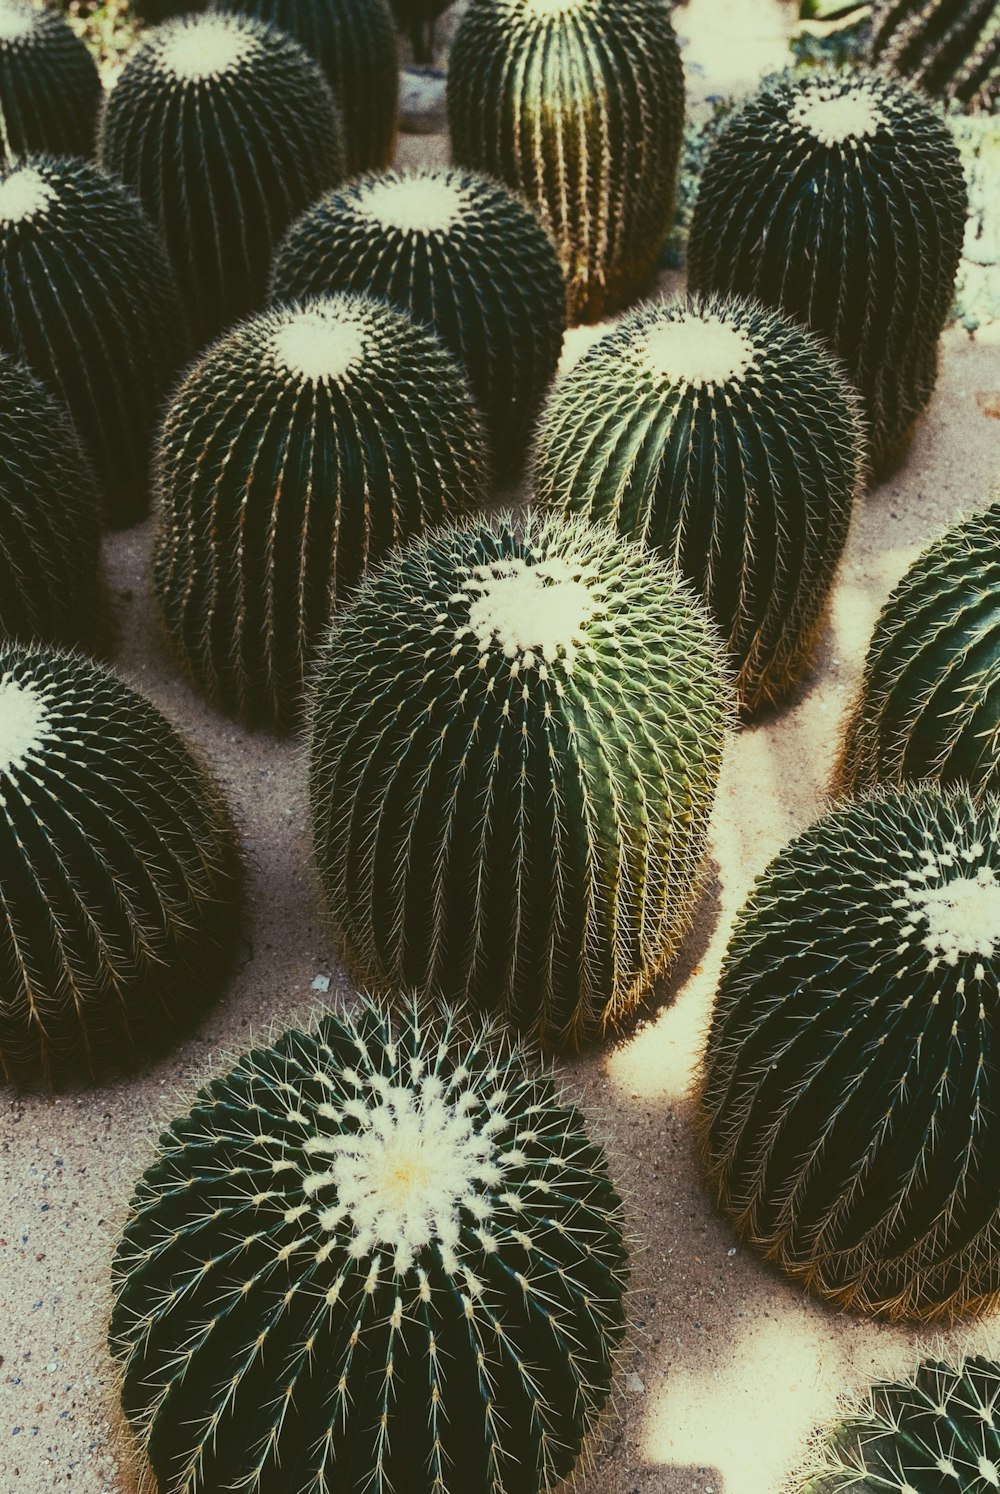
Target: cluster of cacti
[(120, 875), (840, 198), (929, 701), (579, 106), (459, 252), (226, 129), (50, 90), (851, 1099), (304, 445), (515, 740), (419, 18), (88, 300), (382, 1255), (725, 437), (950, 48)]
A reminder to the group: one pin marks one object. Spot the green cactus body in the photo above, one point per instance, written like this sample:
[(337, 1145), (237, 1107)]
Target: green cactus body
[(950, 48), (840, 199), (929, 701), (579, 106), (226, 129), (89, 302), (305, 444), (120, 875), (51, 584), (380, 1256), (515, 742), (725, 438), (851, 1100), (50, 89), (459, 252)]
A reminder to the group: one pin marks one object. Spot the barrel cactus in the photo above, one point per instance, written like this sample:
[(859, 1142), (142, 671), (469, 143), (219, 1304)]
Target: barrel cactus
[(88, 300), (459, 252), (851, 1100), (929, 702), (840, 198), (950, 48), (725, 437), (226, 129), (579, 106), (306, 443), (515, 742), (120, 872), (50, 89)]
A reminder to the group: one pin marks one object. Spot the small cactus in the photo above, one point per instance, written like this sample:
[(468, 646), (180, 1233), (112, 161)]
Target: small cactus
[(725, 437), (383, 1255), (929, 701), (515, 742), (118, 869), (840, 199), (459, 252), (226, 129), (88, 301), (50, 89), (306, 443), (851, 1100), (579, 106), (949, 48)]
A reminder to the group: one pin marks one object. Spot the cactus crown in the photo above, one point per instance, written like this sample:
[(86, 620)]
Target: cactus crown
[(207, 47)]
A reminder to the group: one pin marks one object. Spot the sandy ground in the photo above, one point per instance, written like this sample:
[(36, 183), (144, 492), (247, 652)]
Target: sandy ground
[(731, 1367)]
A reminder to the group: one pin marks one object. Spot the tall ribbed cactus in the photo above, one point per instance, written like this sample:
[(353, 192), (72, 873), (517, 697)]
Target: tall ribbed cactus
[(226, 129), (305, 444), (929, 701), (840, 198), (725, 437), (383, 1255), (851, 1101), (459, 252), (578, 105), (515, 741), (50, 89), (88, 300), (950, 48), (118, 870)]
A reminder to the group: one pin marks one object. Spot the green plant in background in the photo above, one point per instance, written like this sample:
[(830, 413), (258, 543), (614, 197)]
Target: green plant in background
[(850, 1107), (840, 198), (515, 741), (419, 18), (381, 1255), (459, 252), (226, 129), (89, 302), (579, 106), (305, 444), (949, 48), (701, 130), (834, 34), (726, 438), (120, 873), (50, 90), (929, 700)]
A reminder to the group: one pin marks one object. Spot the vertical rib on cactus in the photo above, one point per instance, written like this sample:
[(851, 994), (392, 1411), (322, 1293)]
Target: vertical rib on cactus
[(949, 48), (50, 89)]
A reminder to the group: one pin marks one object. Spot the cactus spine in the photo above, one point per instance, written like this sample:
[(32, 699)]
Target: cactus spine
[(949, 48), (50, 89)]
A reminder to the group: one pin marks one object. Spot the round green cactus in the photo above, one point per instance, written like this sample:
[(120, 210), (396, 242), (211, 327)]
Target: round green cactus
[(120, 875), (89, 302), (515, 743), (840, 198), (226, 129), (725, 437), (50, 89), (950, 48), (929, 702), (306, 443), (459, 252), (851, 1101), (579, 106), (381, 1255)]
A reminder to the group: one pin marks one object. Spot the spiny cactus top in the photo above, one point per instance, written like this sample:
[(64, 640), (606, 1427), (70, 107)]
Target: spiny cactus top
[(459, 252), (851, 1102), (726, 437), (50, 520), (378, 1256), (118, 870), (579, 105), (88, 300), (951, 48), (306, 443), (840, 197), (50, 89), (227, 129), (929, 701), (516, 734)]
